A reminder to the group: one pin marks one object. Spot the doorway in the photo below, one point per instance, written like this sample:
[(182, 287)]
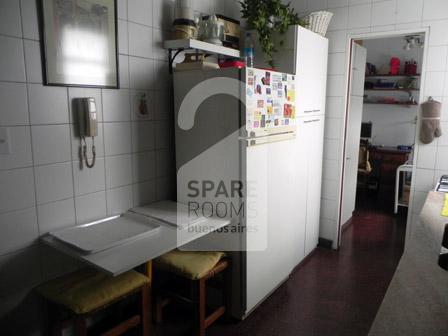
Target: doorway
[(383, 96)]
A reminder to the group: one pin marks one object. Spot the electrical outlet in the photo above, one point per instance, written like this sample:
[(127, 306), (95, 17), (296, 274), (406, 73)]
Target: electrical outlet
[(5, 141)]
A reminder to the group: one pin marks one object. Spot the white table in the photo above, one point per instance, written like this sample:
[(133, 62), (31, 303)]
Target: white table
[(122, 258)]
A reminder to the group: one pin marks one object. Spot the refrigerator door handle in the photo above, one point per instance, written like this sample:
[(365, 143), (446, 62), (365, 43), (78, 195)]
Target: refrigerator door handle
[(250, 142)]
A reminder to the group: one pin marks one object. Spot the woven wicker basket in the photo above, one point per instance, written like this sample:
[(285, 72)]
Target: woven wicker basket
[(318, 22)]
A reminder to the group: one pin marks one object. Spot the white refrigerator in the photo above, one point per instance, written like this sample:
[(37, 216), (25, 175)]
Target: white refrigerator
[(237, 157)]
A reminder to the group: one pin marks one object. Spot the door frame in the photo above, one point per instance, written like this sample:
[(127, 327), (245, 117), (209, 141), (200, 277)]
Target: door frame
[(351, 37)]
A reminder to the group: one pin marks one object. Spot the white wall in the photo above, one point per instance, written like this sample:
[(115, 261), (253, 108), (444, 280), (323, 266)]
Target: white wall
[(364, 16), (41, 185), (392, 125)]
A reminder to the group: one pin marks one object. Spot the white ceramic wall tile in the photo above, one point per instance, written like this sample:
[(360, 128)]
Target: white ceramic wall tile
[(337, 63), (140, 98), (435, 10), (56, 215), (51, 144), (339, 20), (118, 171), (33, 62), (10, 18), (164, 163), (161, 80), (77, 144), (437, 34), (426, 157), (337, 41), (116, 105), (16, 189), (144, 193), (163, 11), (163, 105), (143, 136), (357, 2), (335, 107), (89, 180), (19, 229), (12, 66), (144, 165), (337, 3), (164, 134), (434, 84), (141, 73), (165, 189), (122, 9), (124, 71), (328, 209), (383, 13), (48, 105), (119, 200), (117, 138), (54, 182), (317, 5), (330, 190), (443, 140), (409, 10), (14, 107), (419, 199), (333, 128), (20, 142), (331, 149), (74, 92), (140, 40), (158, 37), (140, 11), (359, 16), (437, 58), (382, 28), (336, 86), (330, 169), (90, 207), (123, 41), (424, 180), (29, 19), (442, 158)]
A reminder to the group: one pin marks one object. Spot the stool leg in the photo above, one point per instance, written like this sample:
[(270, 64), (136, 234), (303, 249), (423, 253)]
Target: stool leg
[(201, 306), (146, 309), (80, 326)]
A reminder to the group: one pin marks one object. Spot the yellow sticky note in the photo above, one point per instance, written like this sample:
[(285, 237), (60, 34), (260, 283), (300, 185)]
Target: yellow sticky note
[(445, 207)]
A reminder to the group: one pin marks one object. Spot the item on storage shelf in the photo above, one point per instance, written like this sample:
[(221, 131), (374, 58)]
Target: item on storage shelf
[(213, 30), (249, 50), (318, 22), (394, 66), (231, 37), (442, 186), (430, 127), (232, 63), (381, 84), (410, 68), (370, 69), (191, 62), (184, 26)]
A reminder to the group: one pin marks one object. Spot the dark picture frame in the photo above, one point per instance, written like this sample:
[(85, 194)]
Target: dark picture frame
[(79, 43)]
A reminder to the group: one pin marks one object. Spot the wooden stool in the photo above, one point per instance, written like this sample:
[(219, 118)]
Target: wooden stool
[(197, 267), (79, 295)]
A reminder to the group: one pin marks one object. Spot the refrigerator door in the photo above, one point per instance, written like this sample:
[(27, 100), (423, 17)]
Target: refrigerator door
[(270, 104)]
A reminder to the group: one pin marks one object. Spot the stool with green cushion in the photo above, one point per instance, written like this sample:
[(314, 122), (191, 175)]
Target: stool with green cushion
[(79, 295), (197, 267)]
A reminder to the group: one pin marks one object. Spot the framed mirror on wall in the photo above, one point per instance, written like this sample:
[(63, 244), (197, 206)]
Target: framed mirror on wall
[(79, 45)]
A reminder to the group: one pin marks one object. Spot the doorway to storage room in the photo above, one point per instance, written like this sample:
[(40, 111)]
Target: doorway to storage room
[(380, 132)]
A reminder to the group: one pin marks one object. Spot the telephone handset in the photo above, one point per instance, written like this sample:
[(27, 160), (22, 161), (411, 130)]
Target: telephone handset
[(88, 126)]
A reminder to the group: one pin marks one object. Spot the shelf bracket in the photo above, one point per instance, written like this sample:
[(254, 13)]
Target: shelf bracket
[(172, 57)]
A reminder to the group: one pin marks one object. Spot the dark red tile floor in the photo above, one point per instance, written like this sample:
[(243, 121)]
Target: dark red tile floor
[(333, 292)]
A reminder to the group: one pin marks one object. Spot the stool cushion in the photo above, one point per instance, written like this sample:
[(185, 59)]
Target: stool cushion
[(189, 264), (86, 290)]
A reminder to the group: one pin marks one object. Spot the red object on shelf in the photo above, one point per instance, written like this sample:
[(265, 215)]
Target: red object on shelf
[(394, 66), (232, 64)]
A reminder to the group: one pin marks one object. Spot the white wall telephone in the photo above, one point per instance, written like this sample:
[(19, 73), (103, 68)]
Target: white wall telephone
[(88, 126)]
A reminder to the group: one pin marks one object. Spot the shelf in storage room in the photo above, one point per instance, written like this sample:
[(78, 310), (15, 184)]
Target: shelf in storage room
[(396, 104), (396, 76), (200, 47), (392, 90)]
